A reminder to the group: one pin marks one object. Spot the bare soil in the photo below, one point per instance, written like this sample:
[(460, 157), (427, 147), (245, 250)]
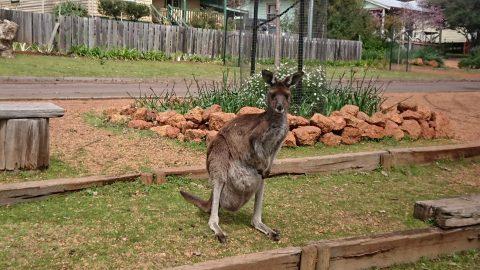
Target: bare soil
[(100, 151), (97, 150)]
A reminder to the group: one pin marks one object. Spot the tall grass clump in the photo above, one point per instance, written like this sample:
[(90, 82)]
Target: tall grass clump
[(318, 95)]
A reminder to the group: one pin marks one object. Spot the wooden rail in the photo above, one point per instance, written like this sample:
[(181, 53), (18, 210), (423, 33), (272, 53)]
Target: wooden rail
[(354, 253)]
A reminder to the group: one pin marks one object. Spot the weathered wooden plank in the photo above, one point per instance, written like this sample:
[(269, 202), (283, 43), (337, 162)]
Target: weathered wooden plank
[(419, 155), (35, 190), (3, 130), (25, 142), (308, 258), (11, 110), (450, 212), (399, 247), (285, 258), (355, 161)]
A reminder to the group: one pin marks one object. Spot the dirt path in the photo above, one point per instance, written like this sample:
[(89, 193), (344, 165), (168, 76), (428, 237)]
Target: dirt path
[(463, 108), (103, 151)]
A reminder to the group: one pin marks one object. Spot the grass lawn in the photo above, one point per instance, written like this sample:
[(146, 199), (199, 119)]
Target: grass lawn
[(62, 66), (130, 225)]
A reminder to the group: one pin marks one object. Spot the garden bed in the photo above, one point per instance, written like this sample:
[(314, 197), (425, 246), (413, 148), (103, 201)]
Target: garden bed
[(133, 225)]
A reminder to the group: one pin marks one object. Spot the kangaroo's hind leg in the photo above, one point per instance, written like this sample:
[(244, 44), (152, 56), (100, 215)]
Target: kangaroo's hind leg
[(257, 215), (214, 220)]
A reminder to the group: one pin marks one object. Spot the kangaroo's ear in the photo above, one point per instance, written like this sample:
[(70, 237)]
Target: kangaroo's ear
[(268, 77), (293, 79)]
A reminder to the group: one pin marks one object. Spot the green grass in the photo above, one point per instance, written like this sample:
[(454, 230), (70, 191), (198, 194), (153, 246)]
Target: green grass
[(130, 225), (57, 169), (63, 66)]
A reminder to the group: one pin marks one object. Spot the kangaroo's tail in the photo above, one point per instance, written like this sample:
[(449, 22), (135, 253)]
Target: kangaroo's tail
[(206, 206)]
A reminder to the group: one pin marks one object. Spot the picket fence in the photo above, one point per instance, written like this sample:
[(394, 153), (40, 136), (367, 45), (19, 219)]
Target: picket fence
[(101, 32)]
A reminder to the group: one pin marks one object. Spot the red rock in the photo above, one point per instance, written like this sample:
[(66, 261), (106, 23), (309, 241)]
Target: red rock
[(373, 132), (407, 105), (363, 116), (118, 118), (166, 131), (412, 128), (350, 109), (140, 114), (425, 112), (176, 120), (427, 131), (181, 137), (326, 124), (211, 135), (250, 110), (331, 139), (442, 126), (195, 115), (212, 109), (185, 125), (162, 117), (307, 135), (195, 135), (139, 124), (393, 130), (338, 122), (433, 63), (296, 121), (352, 121), (378, 119), (410, 115), (290, 140), (394, 117), (219, 119), (388, 108), (336, 113), (151, 116), (127, 110), (351, 135)]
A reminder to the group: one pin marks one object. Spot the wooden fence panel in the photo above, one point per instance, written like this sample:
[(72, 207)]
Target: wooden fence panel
[(100, 32)]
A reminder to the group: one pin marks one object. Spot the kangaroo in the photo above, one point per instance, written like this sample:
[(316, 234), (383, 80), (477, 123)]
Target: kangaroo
[(241, 156)]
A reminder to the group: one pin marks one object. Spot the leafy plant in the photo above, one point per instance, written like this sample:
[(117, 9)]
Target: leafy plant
[(70, 8), (21, 47), (472, 61), (136, 11), (231, 94), (111, 8), (429, 54)]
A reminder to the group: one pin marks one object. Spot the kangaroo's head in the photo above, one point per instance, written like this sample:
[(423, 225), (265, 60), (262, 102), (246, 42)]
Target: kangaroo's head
[(278, 97)]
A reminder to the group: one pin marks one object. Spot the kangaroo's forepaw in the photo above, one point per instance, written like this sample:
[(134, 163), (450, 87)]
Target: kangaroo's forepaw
[(222, 238), (275, 235)]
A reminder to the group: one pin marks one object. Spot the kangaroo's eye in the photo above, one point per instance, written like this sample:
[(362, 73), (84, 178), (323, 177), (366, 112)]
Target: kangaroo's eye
[(272, 95)]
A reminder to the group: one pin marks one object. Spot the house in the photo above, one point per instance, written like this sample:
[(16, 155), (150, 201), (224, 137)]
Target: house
[(266, 8), (380, 8), (46, 6)]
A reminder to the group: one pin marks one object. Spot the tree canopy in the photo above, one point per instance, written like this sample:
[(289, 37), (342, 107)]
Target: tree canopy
[(464, 15), (347, 19)]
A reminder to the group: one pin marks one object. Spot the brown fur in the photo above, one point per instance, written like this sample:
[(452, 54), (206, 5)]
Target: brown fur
[(242, 154)]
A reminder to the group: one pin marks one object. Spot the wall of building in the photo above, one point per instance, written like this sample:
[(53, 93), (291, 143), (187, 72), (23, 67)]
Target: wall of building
[(262, 8), (47, 5)]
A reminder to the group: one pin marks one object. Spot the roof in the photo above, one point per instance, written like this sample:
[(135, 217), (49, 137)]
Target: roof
[(388, 4)]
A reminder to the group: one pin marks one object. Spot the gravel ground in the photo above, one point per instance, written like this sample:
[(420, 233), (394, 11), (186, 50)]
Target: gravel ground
[(101, 151)]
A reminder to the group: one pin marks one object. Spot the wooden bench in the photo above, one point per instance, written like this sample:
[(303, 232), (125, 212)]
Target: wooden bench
[(24, 134)]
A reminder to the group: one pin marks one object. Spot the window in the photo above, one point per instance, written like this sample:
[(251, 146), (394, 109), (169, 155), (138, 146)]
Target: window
[(14, 1), (271, 12)]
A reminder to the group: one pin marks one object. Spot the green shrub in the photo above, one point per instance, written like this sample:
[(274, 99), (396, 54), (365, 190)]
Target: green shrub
[(70, 8), (135, 11), (118, 54), (472, 61), (429, 54), (111, 8)]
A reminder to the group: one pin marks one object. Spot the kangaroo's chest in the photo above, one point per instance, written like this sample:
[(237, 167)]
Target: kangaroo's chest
[(273, 138)]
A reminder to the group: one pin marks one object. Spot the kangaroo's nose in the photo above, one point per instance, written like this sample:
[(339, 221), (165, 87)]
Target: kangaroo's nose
[(279, 108)]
